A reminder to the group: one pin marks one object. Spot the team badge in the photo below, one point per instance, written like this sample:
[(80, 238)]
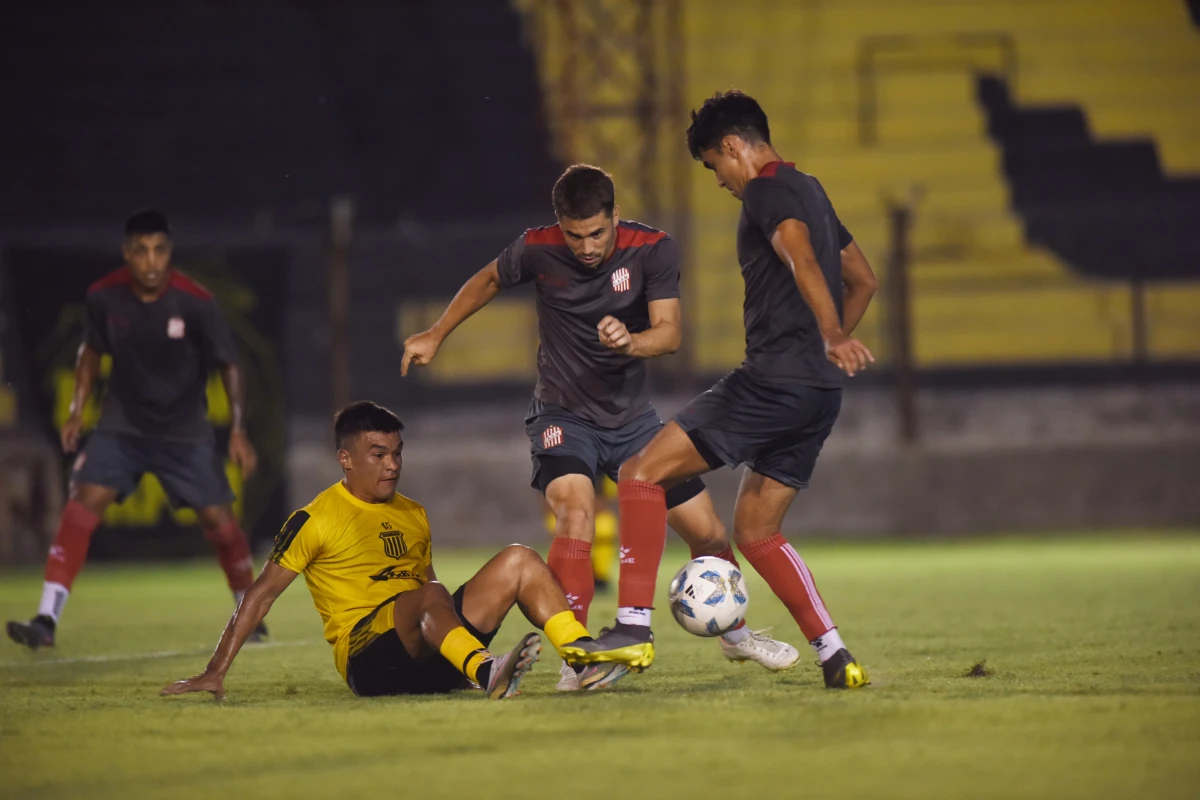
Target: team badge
[(175, 328), (552, 437), (393, 542), (620, 280)]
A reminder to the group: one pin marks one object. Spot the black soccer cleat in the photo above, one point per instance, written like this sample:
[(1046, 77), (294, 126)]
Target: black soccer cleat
[(258, 635), (843, 672), (38, 632)]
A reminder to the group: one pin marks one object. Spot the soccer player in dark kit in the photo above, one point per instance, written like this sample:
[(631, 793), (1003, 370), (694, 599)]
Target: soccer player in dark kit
[(607, 300), (164, 332), (807, 287)]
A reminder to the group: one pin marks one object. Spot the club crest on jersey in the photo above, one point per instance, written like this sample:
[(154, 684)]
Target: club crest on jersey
[(552, 437), (175, 328), (620, 280), (393, 542)]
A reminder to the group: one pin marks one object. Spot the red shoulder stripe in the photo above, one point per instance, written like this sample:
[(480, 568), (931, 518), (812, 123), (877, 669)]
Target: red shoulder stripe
[(118, 277), (550, 235), (188, 286), (631, 237), (768, 170)]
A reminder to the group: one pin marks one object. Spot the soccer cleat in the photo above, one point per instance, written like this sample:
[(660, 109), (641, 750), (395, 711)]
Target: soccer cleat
[(38, 632), (843, 672), (508, 670), (568, 680), (631, 645), (258, 635), (602, 675), (762, 649)]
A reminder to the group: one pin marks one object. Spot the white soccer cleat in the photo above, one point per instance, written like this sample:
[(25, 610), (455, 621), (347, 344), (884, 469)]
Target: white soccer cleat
[(568, 680), (762, 649)]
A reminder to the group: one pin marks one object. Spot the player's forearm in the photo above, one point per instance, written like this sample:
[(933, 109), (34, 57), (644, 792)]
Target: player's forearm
[(87, 367), (476, 293), (231, 377), (811, 283), (854, 306), (658, 340), (250, 612)]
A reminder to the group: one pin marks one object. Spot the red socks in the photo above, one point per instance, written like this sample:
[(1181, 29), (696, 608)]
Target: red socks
[(643, 515), (233, 551), (571, 563), (788, 576), (70, 547)]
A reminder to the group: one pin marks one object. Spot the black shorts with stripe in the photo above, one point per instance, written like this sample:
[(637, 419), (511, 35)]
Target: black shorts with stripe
[(384, 667), (564, 443)]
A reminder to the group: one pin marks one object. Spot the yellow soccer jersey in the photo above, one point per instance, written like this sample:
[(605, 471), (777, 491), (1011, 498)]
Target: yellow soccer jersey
[(355, 556)]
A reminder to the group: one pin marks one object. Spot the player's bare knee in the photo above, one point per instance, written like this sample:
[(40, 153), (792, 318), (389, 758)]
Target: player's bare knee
[(637, 469), (575, 522), (92, 497), (215, 522)]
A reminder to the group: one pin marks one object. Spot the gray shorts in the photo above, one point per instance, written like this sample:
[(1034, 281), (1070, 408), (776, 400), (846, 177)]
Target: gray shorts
[(191, 473), (776, 429)]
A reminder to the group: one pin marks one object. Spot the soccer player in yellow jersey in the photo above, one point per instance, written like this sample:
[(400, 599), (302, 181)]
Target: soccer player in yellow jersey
[(365, 553)]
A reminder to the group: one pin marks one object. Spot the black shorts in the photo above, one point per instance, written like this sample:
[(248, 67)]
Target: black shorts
[(563, 443), (776, 429), (191, 473), (384, 667)]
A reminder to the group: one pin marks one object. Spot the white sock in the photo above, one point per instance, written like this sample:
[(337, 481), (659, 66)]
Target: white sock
[(827, 644), (634, 616), (54, 598), (736, 635)]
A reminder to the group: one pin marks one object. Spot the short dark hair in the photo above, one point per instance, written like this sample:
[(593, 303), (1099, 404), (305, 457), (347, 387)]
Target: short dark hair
[(582, 192), (724, 114), (363, 417), (147, 223)]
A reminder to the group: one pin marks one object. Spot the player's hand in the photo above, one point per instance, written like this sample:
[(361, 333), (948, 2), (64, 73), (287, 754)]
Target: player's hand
[(70, 434), (419, 350), (615, 336), (241, 452), (213, 684), (848, 353)]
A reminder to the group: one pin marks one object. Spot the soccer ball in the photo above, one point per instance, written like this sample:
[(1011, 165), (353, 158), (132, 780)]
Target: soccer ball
[(708, 596)]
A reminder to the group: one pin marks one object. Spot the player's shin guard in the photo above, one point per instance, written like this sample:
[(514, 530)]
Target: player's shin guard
[(570, 562), (788, 576), (643, 516), (233, 552)]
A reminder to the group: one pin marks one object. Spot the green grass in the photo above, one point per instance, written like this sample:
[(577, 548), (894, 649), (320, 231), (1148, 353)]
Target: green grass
[(1093, 648)]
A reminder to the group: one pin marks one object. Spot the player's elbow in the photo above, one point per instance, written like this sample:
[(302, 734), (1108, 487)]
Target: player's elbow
[(672, 340), (863, 284)]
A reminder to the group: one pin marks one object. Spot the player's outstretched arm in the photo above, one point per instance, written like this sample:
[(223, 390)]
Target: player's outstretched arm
[(254, 607), (662, 337), (87, 367), (420, 348), (793, 246), (861, 285), (241, 452)]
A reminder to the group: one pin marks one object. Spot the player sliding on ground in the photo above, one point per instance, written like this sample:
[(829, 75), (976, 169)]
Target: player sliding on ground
[(365, 553), (775, 411), (607, 300), (164, 332)]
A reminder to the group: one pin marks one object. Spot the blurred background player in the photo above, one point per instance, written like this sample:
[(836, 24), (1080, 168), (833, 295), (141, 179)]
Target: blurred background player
[(607, 300), (774, 412), (164, 333), (366, 555)]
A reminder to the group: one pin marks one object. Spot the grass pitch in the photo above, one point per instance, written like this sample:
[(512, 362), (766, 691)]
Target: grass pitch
[(1060, 668)]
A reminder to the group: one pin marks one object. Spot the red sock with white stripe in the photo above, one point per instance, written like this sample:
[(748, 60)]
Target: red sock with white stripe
[(738, 633), (788, 576)]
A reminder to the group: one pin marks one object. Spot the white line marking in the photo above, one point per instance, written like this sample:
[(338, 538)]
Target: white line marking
[(250, 648)]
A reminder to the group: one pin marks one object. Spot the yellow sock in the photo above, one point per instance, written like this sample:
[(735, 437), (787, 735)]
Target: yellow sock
[(464, 651), (604, 546), (563, 628)]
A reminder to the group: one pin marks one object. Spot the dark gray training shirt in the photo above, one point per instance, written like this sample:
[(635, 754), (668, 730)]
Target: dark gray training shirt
[(576, 371), (162, 353), (783, 342)]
